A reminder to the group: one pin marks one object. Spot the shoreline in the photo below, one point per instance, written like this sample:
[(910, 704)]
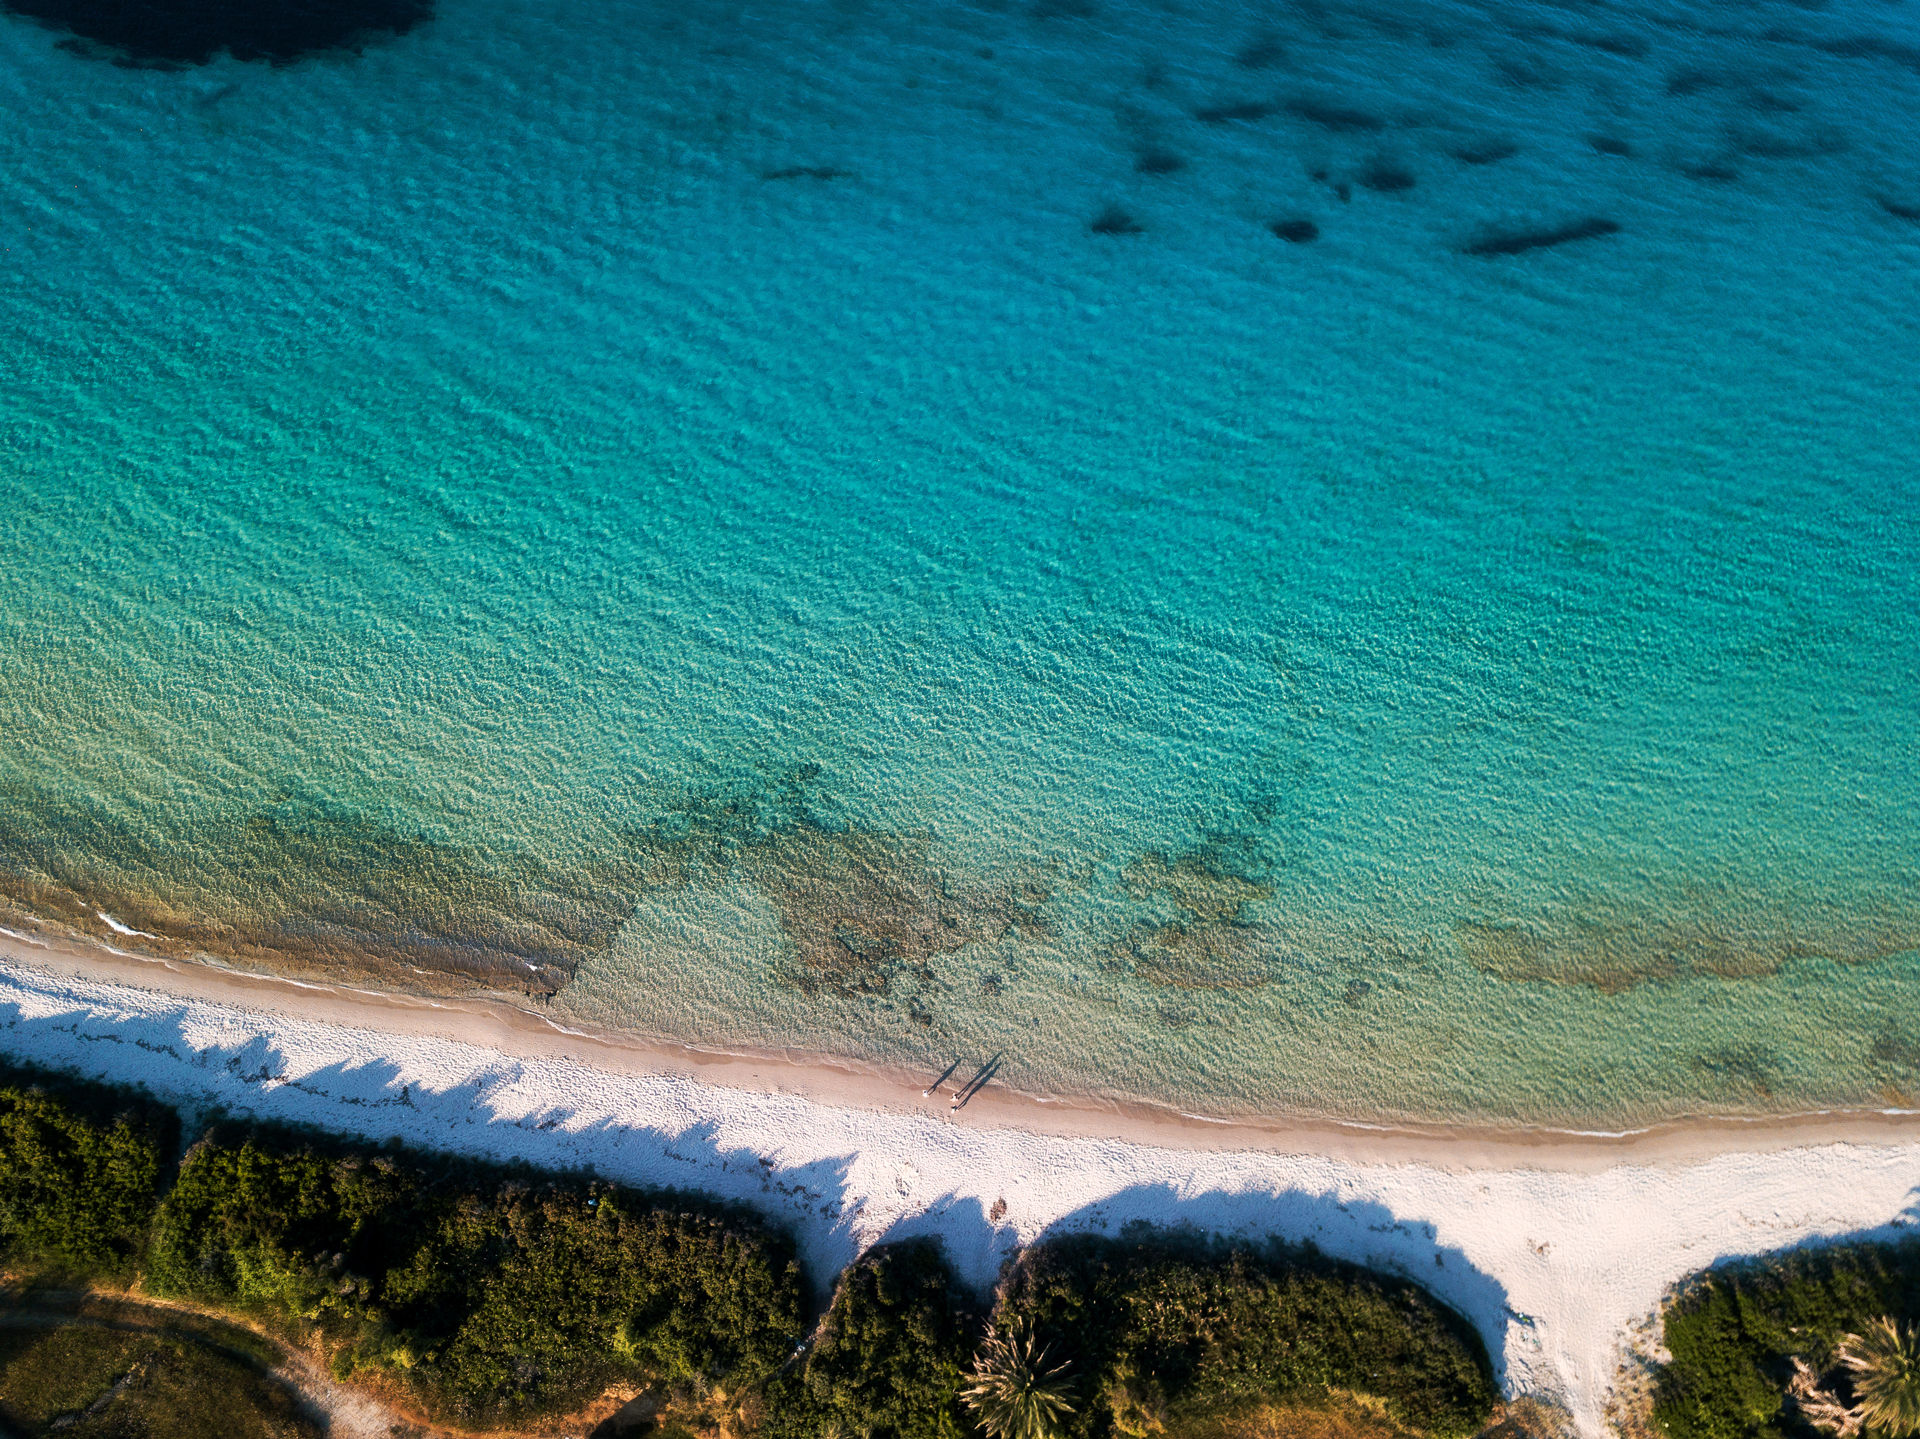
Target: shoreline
[(512, 1029), (1558, 1249)]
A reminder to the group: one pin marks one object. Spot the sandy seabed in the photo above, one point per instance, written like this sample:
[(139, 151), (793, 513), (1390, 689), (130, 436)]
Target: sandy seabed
[(1558, 1247)]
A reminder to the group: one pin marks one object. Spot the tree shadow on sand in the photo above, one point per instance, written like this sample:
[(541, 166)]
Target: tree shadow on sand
[(1360, 1231), (248, 1075)]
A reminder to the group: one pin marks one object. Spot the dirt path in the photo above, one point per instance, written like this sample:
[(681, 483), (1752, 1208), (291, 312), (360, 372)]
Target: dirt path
[(341, 1411)]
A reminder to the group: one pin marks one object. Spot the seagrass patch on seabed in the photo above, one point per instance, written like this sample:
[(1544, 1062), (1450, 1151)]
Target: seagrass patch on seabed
[(860, 907)]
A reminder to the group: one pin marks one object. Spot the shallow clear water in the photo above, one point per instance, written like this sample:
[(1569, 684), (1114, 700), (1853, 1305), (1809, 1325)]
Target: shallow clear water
[(843, 525)]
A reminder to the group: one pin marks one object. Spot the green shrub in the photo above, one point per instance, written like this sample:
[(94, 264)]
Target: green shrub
[(886, 1360), (81, 1167), (493, 1294), (498, 1294), (1734, 1332), (1162, 1329), (1016, 1388), (82, 1380)]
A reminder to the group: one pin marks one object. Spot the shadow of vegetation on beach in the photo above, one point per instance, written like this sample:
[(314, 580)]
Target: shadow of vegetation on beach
[(1755, 1344), (835, 1206)]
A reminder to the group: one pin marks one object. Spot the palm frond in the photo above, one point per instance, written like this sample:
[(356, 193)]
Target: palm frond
[(1819, 1406), (1884, 1363), (1014, 1390)]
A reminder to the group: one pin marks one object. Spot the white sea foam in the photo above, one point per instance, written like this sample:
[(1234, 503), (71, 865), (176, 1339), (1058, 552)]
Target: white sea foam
[(123, 929)]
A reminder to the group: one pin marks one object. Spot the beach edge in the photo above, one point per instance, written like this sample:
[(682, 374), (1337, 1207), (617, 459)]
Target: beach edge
[(497, 1024)]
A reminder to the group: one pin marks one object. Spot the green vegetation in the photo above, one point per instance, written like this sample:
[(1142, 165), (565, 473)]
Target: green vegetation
[(1163, 1333), (493, 1295), (1330, 1417), (1883, 1364), (489, 1295), (1015, 1390), (86, 1381), (1736, 1333), (81, 1167), (886, 1360), (1151, 1334)]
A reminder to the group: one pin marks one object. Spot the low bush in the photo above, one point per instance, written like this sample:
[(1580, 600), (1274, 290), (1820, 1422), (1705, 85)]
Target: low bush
[(81, 1167), (1160, 1332), (886, 1360), (491, 1294), (1734, 1332), (494, 1295)]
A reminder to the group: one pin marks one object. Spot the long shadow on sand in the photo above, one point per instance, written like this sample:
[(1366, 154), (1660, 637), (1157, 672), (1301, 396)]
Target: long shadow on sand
[(1359, 1230), (187, 1058), (1904, 1227)]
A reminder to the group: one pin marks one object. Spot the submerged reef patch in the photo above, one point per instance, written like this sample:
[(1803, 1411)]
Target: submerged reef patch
[(1210, 943), (1262, 52), (860, 908), (1387, 176), (1626, 47), (1613, 955), (1332, 115), (1519, 241), (1486, 152), (1235, 110), (1717, 171), (1898, 1048), (805, 172), (1694, 80), (167, 34), (1115, 221), (1741, 1068), (304, 884)]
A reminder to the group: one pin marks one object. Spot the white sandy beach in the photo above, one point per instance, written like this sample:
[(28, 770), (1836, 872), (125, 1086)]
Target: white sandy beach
[(1558, 1247)]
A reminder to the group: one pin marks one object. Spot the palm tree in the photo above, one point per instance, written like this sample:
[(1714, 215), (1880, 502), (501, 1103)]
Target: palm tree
[(1014, 1392), (1818, 1406), (1885, 1365)]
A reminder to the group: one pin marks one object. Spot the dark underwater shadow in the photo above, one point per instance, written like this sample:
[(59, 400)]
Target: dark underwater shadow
[(173, 34)]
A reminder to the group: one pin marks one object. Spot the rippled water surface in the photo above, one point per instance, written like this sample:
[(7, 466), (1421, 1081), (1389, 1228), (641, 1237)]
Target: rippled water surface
[(1323, 556)]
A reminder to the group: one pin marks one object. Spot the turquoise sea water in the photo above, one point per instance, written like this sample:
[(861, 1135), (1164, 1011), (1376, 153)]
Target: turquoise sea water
[(844, 525)]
